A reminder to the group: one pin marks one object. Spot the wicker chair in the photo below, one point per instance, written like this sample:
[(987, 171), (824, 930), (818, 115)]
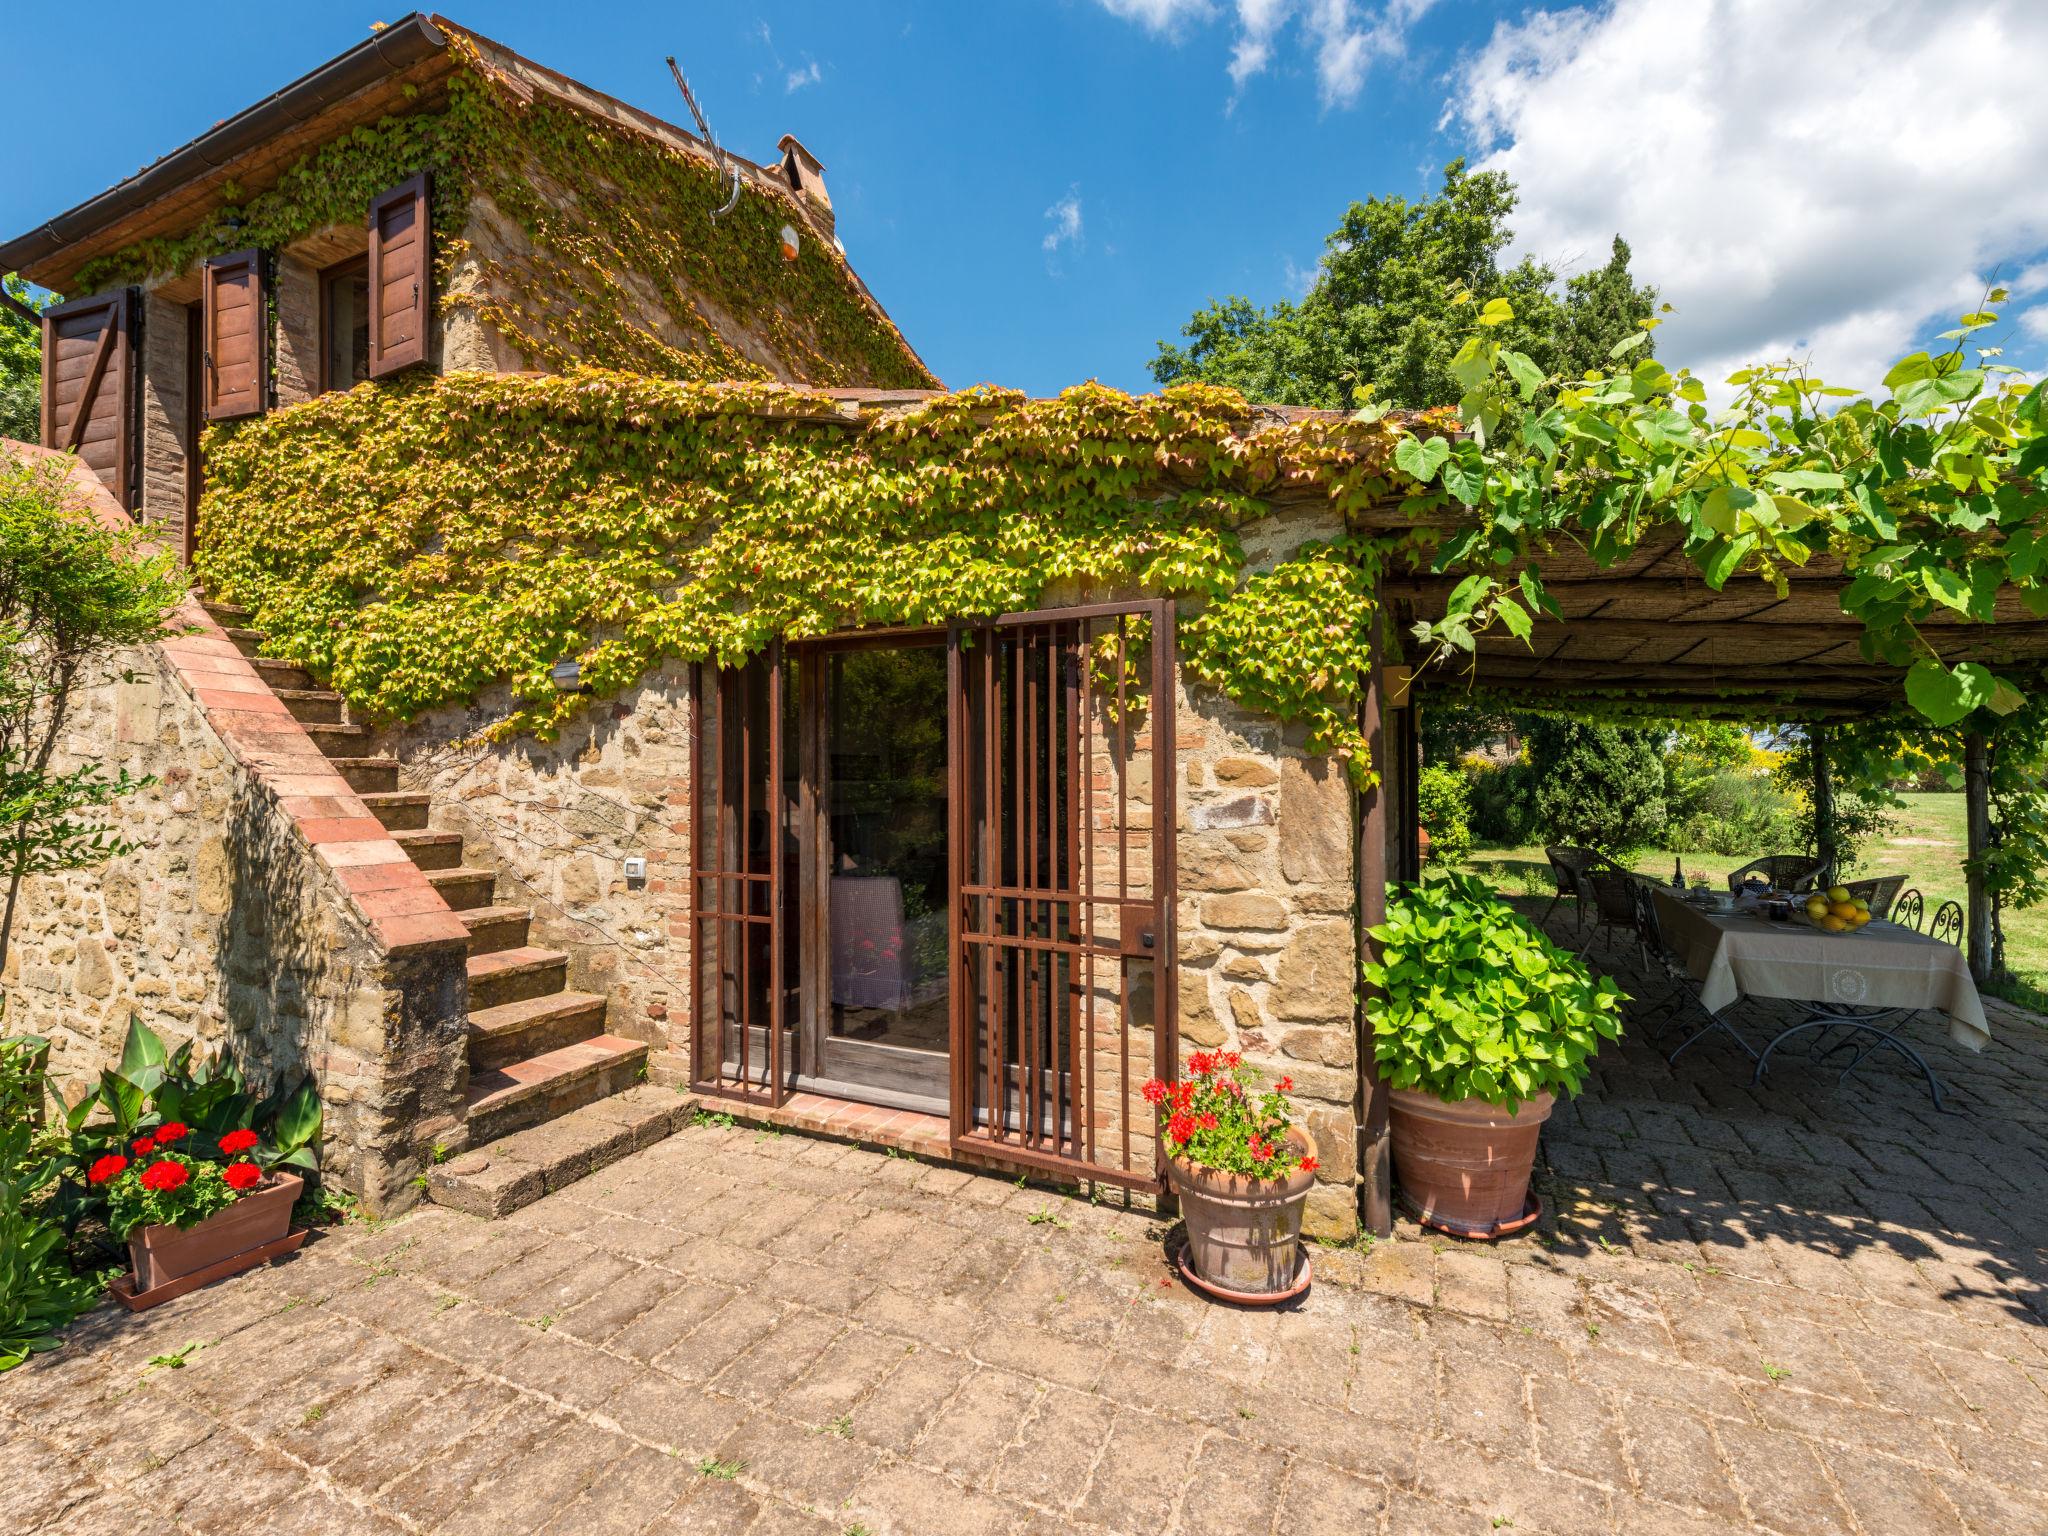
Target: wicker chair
[(1785, 871), (1568, 869), (1948, 923), (1907, 910), (1880, 893), (1614, 901)]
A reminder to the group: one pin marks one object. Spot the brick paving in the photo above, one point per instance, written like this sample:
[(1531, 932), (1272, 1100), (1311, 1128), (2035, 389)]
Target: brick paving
[(1811, 1308)]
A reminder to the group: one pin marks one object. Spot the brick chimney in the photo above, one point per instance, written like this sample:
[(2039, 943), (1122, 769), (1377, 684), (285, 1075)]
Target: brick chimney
[(801, 169)]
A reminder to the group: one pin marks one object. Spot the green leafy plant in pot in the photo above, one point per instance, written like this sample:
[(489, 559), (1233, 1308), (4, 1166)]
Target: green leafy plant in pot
[(1478, 1022)]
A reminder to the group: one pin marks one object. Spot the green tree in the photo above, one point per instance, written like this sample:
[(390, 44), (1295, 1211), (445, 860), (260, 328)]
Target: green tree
[(73, 595), (21, 366), (1598, 786), (1385, 311)]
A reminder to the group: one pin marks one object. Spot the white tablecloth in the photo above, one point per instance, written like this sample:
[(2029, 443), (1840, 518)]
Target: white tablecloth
[(1881, 965)]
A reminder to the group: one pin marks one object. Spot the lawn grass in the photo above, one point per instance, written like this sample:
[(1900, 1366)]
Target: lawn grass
[(1925, 844)]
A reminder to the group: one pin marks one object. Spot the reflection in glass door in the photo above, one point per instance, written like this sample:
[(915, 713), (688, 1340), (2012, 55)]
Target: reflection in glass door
[(877, 999)]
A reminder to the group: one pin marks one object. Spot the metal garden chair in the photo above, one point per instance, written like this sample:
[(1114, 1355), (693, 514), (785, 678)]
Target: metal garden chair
[(1948, 923), (1680, 990), (1907, 910)]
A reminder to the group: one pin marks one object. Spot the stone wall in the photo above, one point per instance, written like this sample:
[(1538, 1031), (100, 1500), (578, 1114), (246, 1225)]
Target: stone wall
[(557, 820), (165, 387), (1268, 906)]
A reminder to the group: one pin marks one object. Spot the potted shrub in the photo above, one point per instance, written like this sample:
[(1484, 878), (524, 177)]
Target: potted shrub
[(1478, 1022), (1242, 1172), (181, 1210)]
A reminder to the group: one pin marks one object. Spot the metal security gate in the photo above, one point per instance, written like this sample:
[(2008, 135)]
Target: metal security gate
[(743, 970), (1064, 991)]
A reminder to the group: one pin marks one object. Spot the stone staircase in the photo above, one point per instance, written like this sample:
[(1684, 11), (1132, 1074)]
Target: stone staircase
[(537, 1050)]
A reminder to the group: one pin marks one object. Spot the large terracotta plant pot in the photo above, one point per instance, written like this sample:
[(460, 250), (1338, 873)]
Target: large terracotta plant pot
[(1464, 1167), (1244, 1234), (163, 1254)]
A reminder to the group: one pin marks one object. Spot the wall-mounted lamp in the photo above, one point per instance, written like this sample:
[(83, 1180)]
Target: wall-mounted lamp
[(567, 675), (789, 242)]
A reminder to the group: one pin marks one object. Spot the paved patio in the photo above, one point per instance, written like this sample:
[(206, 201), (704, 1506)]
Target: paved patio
[(1807, 1309)]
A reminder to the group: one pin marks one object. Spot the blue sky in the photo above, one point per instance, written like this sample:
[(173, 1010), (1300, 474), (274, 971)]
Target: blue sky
[(1040, 189)]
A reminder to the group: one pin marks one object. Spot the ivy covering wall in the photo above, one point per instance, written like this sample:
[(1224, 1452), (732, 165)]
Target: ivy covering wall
[(619, 241), (416, 542)]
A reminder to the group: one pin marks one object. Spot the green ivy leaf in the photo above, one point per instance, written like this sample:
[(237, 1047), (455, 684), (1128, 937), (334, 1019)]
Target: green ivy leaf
[(1945, 696), (1422, 457)]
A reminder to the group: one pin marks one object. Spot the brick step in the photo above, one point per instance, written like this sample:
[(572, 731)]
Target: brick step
[(463, 889), (495, 928), (532, 1026), (401, 810), (511, 975), (518, 1169), (340, 740), (543, 1087), (248, 641), (431, 850), (367, 775), (280, 673), (310, 706), (224, 613)]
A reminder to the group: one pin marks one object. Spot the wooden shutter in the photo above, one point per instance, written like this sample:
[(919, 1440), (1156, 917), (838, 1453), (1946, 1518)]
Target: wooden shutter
[(88, 385), (401, 277), (236, 324)]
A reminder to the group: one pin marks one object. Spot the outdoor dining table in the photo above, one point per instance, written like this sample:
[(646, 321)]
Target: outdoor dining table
[(1864, 982)]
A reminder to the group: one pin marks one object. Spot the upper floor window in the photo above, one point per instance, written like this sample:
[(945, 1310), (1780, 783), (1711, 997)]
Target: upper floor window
[(345, 324)]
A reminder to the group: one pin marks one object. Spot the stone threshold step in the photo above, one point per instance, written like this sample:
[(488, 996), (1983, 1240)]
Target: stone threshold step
[(517, 1170), (588, 1070)]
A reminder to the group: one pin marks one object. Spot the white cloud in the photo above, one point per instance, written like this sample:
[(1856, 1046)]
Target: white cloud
[(1064, 217), (1159, 15), (797, 79), (1798, 177), (1347, 37)]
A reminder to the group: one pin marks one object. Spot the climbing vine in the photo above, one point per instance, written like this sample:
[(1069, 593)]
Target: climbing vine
[(414, 543), (601, 249)]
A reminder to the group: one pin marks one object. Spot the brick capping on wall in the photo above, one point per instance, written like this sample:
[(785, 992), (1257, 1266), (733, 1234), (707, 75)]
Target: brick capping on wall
[(404, 913)]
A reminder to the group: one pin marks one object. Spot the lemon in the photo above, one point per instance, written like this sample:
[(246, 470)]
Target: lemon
[(1843, 909), (1838, 893), (1834, 924), (1817, 908)]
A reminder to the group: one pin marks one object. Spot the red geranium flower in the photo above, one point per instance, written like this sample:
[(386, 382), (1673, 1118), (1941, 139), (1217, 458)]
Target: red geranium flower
[(237, 1141), (1201, 1063), (164, 1176), (1309, 1165), (143, 1147), (1285, 1085), (1261, 1149), (170, 1131), (106, 1168), (1208, 1122), (241, 1176), (1180, 1128), (1155, 1092), (1231, 1058)]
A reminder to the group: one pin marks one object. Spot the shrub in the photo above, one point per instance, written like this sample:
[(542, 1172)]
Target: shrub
[(1442, 798), (1596, 786), (1732, 813), (1473, 1001), (39, 1293), (1501, 808)]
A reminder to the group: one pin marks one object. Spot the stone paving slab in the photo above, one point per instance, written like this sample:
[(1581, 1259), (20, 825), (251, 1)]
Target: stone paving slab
[(1810, 1307)]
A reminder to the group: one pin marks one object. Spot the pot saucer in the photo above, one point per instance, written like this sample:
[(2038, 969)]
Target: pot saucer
[(1532, 1210), (1186, 1267)]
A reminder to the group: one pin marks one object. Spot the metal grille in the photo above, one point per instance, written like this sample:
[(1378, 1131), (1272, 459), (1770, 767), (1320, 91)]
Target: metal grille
[(1062, 800), (741, 968)]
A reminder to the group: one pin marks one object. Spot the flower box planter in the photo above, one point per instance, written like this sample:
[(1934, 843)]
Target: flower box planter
[(1244, 1234), (164, 1255), (1463, 1166)]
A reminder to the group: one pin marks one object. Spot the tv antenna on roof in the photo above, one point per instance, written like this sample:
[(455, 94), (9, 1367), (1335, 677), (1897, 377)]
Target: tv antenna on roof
[(725, 166)]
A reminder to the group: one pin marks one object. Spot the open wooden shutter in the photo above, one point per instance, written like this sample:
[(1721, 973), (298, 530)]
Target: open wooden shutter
[(401, 277), (88, 385), (236, 325)]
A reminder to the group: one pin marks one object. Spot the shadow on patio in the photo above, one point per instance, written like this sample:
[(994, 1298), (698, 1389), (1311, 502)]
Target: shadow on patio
[(1838, 1188)]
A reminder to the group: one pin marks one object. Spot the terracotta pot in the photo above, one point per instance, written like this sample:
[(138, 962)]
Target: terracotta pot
[(163, 1254), (1244, 1234), (1465, 1166)]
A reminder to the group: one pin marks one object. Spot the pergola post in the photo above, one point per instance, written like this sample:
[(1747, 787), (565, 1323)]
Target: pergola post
[(1977, 823), (1823, 799), (1375, 1142)]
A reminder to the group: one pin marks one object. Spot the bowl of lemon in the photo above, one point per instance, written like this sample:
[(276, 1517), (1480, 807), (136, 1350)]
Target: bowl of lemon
[(1835, 910)]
